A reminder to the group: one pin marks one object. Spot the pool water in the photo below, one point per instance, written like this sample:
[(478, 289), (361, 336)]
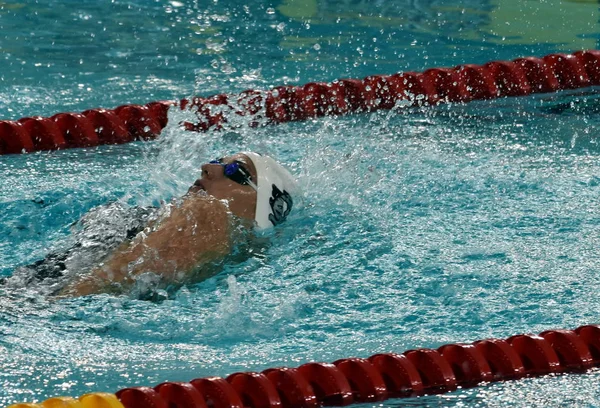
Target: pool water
[(417, 227)]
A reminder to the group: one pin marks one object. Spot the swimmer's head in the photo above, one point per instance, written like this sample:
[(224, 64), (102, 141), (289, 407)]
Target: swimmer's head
[(276, 190), (256, 187)]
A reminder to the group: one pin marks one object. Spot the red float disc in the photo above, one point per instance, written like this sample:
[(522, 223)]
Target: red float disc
[(14, 138), (294, 390), (503, 360), (108, 126), (141, 397), (217, 392), (255, 389), (76, 129), (590, 335), (44, 133), (509, 78), (139, 121), (572, 351), (568, 70), (436, 373), (538, 356), (468, 364), (330, 385), (447, 85), (400, 375), (181, 395), (365, 381)]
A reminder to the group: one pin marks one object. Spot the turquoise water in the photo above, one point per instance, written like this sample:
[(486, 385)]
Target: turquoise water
[(418, 228)]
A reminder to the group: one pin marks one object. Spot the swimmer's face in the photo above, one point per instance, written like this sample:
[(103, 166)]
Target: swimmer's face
[(241, 198)]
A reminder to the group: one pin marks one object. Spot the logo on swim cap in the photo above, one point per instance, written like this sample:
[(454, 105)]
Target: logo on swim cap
[(281, 205)]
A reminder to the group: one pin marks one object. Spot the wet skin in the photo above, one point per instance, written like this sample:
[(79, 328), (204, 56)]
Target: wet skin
[(213, 182), (197, 230)]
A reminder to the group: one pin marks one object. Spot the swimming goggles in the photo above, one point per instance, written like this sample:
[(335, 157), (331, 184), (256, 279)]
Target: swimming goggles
[(235, 171)]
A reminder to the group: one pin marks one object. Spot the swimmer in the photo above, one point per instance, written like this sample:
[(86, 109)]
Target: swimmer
[(244, 190)]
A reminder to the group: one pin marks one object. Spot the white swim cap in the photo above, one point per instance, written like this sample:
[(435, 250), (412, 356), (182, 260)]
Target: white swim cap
[(276, 187)]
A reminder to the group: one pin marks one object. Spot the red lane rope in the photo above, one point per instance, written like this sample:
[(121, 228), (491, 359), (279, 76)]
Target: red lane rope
[(382, 376), (460, 84)]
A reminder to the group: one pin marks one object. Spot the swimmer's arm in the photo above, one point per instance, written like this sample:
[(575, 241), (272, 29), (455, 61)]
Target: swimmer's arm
[(196, 231)]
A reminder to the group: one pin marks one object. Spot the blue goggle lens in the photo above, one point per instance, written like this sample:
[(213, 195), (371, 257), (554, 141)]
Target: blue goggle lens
[(235, 171)]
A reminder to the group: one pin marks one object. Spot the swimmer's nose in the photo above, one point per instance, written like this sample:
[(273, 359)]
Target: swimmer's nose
[(212, 171), (197, 186)]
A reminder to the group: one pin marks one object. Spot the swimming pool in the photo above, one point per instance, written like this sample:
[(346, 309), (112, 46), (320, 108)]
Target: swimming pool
[(418, 229)]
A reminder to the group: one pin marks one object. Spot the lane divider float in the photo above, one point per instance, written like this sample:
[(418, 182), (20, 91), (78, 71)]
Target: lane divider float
[(358, 380), (461, 84)]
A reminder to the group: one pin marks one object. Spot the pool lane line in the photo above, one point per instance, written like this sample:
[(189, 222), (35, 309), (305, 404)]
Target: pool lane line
[(358, 380), (435, 86)]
